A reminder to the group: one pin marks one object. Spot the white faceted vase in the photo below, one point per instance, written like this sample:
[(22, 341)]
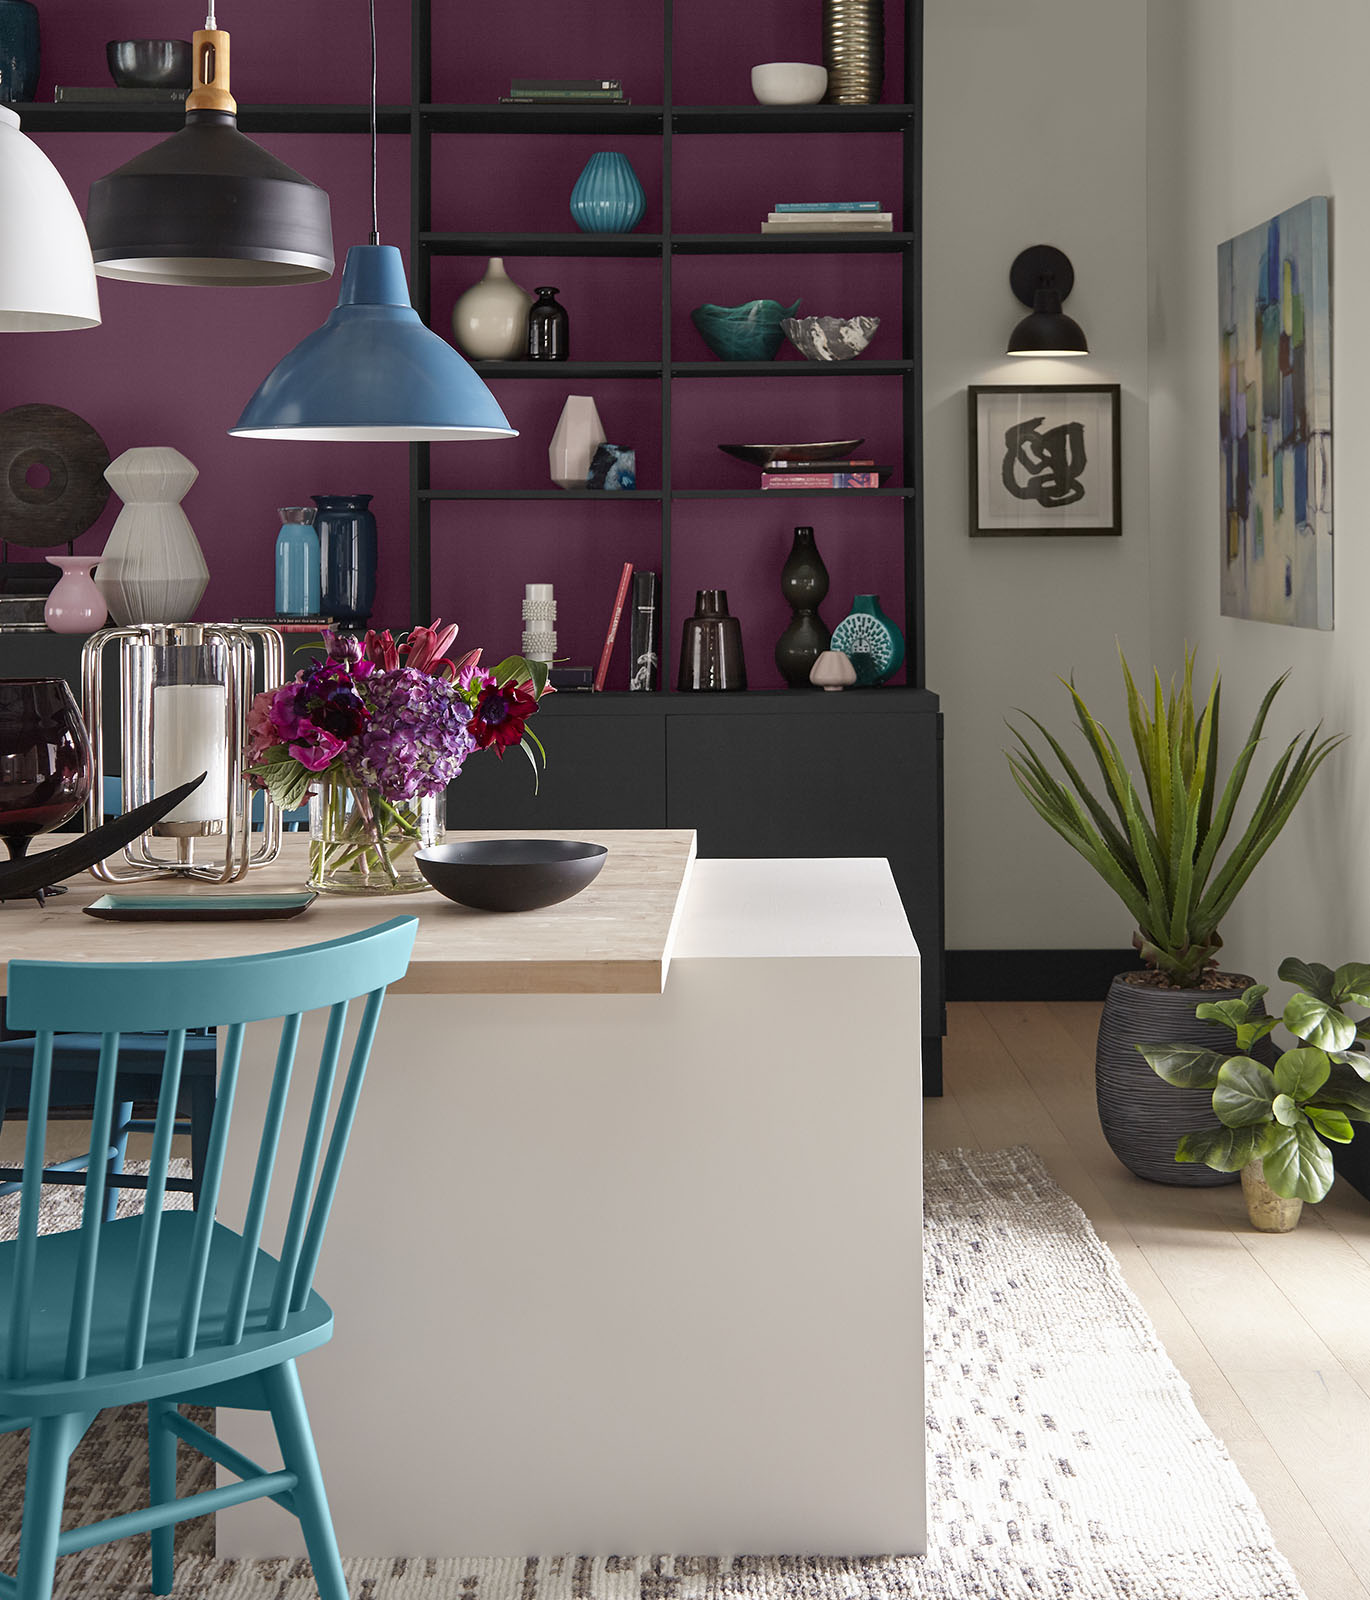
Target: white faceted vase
[(578, 435), (152, 569), (490, 321)]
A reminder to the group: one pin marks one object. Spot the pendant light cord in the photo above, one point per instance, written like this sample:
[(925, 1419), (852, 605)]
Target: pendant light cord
[(375, 215)]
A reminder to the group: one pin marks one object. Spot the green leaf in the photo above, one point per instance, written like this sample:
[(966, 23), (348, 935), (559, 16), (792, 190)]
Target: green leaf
[(1331, 1124), (1230, 1013), (1318, 1022), (1223, 1149), (283, 777), (1249, 1032), (1301, 1073), (1286, 1112), (1348, 1091), (1309, 975), (1359, 1064), (1297, 1164), (1351, 984), (1245, 1092), (1183, 1065)]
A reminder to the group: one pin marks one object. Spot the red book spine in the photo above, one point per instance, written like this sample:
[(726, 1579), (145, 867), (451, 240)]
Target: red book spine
[(820, 480), (602, 672)]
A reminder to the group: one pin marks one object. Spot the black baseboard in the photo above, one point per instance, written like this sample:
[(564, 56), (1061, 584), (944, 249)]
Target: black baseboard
[(1035, 974)]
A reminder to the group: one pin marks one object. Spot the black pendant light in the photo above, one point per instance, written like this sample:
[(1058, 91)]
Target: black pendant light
[(208, 206), (1042, 277)]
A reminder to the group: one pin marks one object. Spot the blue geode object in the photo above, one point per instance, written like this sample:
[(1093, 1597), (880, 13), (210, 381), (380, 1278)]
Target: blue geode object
[(612, 467), (750, 332)]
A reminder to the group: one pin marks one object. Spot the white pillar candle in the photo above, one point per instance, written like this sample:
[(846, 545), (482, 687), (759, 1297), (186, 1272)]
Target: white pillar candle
[(189, 736)]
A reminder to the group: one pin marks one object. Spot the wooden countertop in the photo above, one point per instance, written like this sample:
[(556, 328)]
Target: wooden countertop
[(613, 938)]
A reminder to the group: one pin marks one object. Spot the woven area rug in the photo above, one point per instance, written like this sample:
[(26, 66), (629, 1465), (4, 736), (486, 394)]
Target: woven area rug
[(1066, 1460)]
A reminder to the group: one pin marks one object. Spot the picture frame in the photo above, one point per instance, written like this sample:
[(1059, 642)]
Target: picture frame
[(1045, 458)]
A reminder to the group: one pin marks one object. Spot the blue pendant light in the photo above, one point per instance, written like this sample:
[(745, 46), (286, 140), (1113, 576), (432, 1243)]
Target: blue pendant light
[(373, 371)]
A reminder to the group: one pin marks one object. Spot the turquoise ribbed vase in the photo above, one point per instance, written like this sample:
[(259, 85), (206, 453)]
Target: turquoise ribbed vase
[(607, 197)]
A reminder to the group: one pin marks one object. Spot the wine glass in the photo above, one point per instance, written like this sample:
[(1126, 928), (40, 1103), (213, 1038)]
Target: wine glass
[(46, 766)]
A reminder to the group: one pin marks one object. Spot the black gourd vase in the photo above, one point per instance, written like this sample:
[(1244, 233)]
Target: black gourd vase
[(549, 334), (804, 583), (1143, 1116)]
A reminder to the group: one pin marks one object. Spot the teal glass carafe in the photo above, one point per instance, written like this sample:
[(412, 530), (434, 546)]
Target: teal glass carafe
[(297, 563)]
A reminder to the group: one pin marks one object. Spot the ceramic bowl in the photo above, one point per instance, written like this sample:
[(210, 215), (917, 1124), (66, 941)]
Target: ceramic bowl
[(789, 83), (149, 63), (511, 874), (761, 455), (749, 332), (830, 338)]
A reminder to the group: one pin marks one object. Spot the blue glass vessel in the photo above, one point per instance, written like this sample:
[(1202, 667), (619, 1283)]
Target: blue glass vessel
[(347, 555), (297, 564), (18, 50), (607, 197)]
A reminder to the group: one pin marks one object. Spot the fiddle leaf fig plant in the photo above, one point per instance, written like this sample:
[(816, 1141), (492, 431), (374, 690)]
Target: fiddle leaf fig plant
[(1158, 842), (1281, 1116)]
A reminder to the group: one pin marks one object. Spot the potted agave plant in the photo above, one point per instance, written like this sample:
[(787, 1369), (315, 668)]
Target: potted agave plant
[(1274, 1122), (1161, 843)]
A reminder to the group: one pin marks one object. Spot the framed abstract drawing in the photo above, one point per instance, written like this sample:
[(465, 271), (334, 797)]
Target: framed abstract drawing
[(1275, 419), (1045, 458)]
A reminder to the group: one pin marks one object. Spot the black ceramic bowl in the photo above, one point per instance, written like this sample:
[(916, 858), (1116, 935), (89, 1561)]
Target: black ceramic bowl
[(511, 874), (149, 63)]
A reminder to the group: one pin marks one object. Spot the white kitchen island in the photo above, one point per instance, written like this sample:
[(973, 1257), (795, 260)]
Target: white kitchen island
[(630, 1270)]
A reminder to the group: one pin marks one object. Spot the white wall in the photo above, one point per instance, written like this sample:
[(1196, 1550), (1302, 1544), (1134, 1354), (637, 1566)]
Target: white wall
[(1035, 132), (1254, 106)]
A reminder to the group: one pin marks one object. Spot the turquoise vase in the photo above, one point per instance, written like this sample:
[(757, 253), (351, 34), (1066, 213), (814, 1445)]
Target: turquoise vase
[(297, 564), (874, 644), (607, 197)]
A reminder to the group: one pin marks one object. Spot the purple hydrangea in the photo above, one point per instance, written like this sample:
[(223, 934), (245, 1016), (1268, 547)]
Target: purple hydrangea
[(415, 739)]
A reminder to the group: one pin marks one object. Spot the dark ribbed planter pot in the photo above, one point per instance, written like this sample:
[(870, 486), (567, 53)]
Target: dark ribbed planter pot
[(1142, 1115)]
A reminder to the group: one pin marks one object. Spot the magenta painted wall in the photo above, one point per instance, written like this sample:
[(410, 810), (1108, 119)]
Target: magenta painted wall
[(174, 366)]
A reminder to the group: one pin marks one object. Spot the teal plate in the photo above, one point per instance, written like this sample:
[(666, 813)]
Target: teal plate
[(200, 907)]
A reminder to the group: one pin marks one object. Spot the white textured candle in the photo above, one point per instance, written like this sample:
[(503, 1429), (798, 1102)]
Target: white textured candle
[(188, 738)]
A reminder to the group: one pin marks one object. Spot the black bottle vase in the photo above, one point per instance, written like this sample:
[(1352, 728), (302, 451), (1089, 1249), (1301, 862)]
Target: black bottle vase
[(549, 335), (804, 583)]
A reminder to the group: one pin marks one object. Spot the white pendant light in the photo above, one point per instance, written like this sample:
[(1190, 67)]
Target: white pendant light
[(47, 277)]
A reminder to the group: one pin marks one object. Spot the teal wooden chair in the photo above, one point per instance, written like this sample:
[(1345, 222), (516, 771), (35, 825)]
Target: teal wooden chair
[(172, 1308)]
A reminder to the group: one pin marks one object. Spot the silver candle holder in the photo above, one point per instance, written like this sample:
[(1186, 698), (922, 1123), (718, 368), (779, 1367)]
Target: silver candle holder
[(184, 693)]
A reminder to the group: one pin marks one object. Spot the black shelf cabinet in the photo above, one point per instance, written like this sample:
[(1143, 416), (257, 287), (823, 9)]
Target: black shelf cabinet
[(741, 769)]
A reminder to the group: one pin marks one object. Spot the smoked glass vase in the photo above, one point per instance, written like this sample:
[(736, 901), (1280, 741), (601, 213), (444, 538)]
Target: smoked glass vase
[(46, 766)]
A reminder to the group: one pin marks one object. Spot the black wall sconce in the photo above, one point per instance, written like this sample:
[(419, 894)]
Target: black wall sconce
[(1042, 277)]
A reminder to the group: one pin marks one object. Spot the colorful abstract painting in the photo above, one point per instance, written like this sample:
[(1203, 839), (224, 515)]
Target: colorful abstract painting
[(1275, 408)]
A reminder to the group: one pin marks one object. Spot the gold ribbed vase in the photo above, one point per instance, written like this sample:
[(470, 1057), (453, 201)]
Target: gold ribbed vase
[(854, 51)]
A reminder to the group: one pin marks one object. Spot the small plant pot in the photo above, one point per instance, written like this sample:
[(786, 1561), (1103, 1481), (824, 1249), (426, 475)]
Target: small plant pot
[(1269, 1212)]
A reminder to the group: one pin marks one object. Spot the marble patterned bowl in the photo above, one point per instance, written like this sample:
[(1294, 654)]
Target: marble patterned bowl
[(749, 332), (830, 338)]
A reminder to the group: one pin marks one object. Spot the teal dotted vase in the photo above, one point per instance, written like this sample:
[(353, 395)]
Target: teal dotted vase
[(875, 645), (607, 197)]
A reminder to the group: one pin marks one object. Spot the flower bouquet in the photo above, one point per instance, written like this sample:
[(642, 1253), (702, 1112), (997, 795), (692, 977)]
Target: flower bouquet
[(372, 734)]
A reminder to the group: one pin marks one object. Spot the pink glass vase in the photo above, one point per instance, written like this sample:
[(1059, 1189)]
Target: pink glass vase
[(75, 604)]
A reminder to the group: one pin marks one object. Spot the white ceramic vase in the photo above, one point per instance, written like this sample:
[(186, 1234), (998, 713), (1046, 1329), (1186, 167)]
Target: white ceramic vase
[(153, 569), (579, 433), (490, 321), (75, 604)]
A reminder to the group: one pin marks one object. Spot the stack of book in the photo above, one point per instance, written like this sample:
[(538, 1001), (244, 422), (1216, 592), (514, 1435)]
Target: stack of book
[(109, 94), (829, 216), (782, 474), (565, 91)]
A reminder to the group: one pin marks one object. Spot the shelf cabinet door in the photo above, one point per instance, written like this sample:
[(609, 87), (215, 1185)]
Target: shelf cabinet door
[(802, 786), (602, 772)]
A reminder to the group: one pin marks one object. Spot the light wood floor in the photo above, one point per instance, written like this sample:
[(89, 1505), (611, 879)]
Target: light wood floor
[(1272, 1333)]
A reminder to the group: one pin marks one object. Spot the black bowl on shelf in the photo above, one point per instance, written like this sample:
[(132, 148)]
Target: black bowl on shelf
[(511, 874), (761, 455), (149, 63)]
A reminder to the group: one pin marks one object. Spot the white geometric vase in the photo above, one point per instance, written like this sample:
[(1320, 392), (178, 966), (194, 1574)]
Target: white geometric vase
[(152, 569), (578, 435)]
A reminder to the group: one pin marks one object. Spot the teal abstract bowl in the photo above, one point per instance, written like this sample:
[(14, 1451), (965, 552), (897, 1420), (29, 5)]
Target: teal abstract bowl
[(750, 332)]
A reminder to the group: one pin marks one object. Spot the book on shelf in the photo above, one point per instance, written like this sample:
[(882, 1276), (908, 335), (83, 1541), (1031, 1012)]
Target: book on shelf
[(313, 623), (602, 671), (821, 480), (808, 225), (644, 650), (109, 94), (548, 85), (564, 678), (780, 464), (611, 95), (827, 205), (563, 100), (830, 216)]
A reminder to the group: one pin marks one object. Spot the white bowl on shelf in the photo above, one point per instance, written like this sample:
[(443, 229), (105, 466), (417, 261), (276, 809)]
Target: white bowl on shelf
[(789, 83)]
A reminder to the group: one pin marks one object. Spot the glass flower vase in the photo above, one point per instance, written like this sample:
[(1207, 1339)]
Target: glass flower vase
[(361, 843)]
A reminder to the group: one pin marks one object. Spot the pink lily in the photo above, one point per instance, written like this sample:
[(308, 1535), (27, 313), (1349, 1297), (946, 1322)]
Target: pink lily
[(381, 648), (425, 648)]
